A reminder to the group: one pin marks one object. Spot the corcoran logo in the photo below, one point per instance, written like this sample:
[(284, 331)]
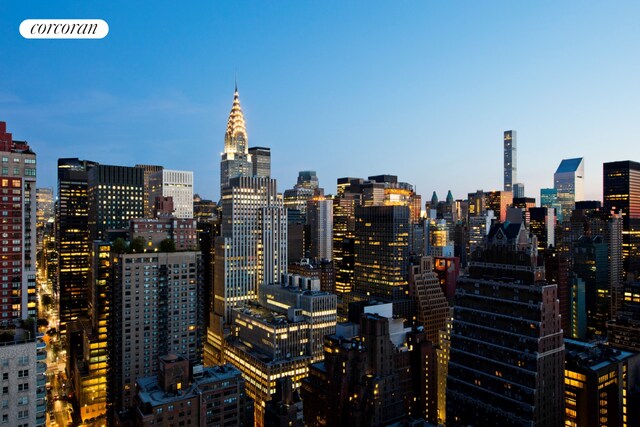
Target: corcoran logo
[(64, 29)]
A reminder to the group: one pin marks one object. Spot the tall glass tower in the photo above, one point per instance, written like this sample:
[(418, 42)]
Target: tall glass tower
[(569, 184)]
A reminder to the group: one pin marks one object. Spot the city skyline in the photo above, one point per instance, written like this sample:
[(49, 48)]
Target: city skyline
[(378, 79)]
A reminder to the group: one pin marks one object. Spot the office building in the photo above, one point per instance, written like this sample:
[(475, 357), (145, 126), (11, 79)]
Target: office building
[(568, 181), (320, 223), (431, 306), (542, 223), (175, 184), (507, 352), (204, 209), (236, 160), (623, 330), (23, 370), (600, 385), (590, 291), (510, 159), (344, 226), (382, 256), (621, 194), (115, 196), (72, 239), (180, 394), (479, 227), (518, 190), (18, 206), (252, 246), (281, 336), (260, 162), (549, 199), (498, 202), (45, 214), (148, 170)]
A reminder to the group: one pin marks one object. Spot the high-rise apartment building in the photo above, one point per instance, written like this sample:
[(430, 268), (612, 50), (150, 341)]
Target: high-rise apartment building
[(155, 309), (236, 160), (72, 238), (181, 394), (621, 193), (568, 180), (510, 159), (23, 370), (18, 207), (507, 352), (115, 195), (260, 162), (175, 184)]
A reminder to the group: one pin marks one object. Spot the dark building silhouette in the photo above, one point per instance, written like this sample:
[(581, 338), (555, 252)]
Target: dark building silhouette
[(377, 378), (507, 351)]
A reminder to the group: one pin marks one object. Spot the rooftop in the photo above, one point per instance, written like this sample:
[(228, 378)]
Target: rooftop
[(151, 393), (569, 165), (593, 355)]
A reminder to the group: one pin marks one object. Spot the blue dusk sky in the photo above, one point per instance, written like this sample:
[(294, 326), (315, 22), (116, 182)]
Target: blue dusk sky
[(422, 90)]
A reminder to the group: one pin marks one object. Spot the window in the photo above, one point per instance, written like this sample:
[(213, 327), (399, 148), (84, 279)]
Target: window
[(23, 387), (5, 390), (5, 376), (23, 414), (23, 373), (24, 400)]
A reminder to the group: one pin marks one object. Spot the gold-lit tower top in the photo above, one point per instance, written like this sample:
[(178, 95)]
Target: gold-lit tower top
[(235, 139)]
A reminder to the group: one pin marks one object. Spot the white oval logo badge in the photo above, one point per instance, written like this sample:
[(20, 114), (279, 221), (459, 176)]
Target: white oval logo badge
[(64, 29)]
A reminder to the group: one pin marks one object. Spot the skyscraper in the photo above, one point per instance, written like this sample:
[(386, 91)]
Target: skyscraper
[(115, 196), (260, 161), (148, 170), (236, 160), (175, 184), (252, 247), (507, 353), (621, 193), (569, 184), (18, 179), (510, 159), (320, 223), (154, 311), (72, 238), (382, 256)]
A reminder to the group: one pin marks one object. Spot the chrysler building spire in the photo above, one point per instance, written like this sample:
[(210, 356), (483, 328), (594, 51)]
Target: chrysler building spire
[(235, 139), (236, 160)]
